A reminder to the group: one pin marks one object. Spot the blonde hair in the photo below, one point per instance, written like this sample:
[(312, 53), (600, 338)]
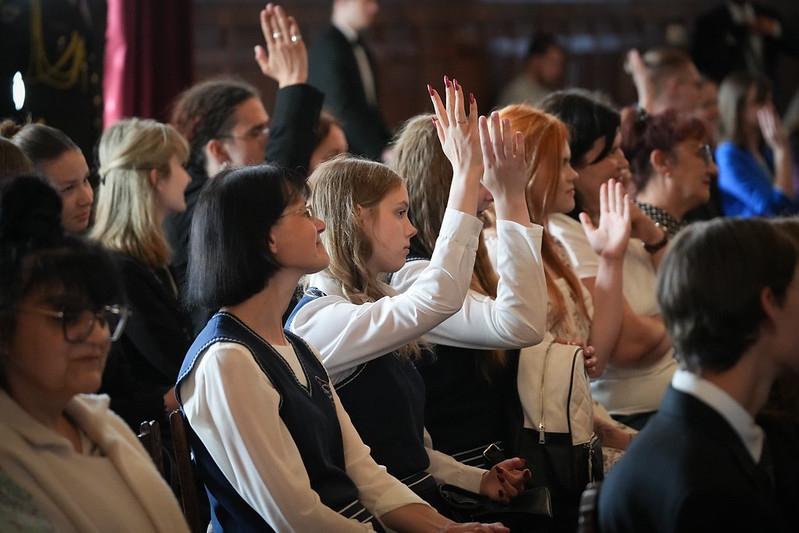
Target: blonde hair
[(419, 158), (126, 220), (340, 185), (544, 139)]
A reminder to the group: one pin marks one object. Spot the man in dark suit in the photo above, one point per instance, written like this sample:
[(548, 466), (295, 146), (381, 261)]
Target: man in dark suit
[(729, 294), (741, 35), (341, 67)]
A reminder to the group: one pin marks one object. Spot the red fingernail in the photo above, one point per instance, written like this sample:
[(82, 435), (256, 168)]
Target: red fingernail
[(457, 87), (433, 119), (471, 98), (430, 90), (447, 83)]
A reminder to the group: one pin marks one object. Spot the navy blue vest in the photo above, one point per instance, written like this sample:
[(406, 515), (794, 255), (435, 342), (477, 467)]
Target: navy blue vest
[(385, 400), (309, 414)]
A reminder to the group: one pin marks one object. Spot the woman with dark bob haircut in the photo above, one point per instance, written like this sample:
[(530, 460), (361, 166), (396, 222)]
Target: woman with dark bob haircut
[(61, 306), (274, 446)]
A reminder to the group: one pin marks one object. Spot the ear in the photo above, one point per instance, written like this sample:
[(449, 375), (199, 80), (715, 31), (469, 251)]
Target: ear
[(770, 308), (272, 243), (661, 161), (154, 181), (215, 151)]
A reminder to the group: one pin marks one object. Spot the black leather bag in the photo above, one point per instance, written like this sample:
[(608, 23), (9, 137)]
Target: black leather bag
[(530, 511)]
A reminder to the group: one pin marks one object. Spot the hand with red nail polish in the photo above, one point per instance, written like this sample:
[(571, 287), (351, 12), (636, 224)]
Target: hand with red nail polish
[(460, 140), (504, 481)]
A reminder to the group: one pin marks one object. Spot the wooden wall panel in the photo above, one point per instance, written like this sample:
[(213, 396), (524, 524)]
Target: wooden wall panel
[(480, 42)]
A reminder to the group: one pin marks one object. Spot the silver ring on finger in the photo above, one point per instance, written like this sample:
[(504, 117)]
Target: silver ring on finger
[(276, 35), (296, 38), (462, 121)]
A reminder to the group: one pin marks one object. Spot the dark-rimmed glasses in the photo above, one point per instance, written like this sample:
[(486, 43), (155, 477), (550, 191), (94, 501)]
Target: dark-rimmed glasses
[(78, 325)]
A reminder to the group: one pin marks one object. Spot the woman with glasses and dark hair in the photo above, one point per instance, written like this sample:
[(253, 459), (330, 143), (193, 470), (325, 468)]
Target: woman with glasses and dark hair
[(273, 443), (671, 164), (61, 306), (640, 365)]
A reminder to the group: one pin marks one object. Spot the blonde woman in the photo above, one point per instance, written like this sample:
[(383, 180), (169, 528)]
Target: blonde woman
[(142, 181), (369, 336)]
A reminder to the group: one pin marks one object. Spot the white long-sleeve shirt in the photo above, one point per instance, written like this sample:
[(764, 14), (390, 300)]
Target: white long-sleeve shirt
[(233, 407), (518, 316), (348, 334)]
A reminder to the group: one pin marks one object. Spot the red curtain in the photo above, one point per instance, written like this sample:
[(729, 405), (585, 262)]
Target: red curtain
[(148, 57)]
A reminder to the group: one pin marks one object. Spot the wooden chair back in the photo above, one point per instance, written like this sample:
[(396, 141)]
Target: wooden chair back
[(193, 498), (150, 437)]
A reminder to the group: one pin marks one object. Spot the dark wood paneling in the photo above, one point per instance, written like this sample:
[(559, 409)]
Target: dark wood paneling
[(480, 43)]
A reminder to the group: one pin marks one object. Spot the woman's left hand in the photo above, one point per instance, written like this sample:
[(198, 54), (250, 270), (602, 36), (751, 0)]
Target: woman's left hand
[(610, 238), (504, 481), (285, 59)]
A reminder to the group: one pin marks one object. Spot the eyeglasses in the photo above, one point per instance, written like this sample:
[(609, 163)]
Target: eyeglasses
[(707, 154), (78, 325), (254, 134), (306, 212)]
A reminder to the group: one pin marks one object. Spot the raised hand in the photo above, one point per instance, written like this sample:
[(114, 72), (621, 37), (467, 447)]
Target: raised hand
[(460, 140), (285, 59), (635, 67), (771, 127), (610, 238), (505, 168)]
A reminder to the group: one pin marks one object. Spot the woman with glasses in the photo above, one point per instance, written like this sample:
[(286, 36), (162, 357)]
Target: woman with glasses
[(142, 181), (640, 366), (61, 305), (273, 443), (671, 164)]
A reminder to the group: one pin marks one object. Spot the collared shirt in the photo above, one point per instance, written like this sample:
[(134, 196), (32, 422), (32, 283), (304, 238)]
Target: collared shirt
[(717, 399)]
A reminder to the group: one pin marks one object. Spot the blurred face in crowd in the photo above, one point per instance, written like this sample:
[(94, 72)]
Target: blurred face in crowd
[(357, 14), (333, 144), (246, 141), (594, 173), (171, 188), (69, 174), (693, 171)]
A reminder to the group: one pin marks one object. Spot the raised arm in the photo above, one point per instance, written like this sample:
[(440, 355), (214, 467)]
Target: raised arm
[(285, 58), (609, 241), (777, 139), (460, 140)]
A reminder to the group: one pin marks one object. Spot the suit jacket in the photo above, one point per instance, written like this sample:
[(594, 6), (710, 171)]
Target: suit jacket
[(333, 69), (688, 471), (719, 44)]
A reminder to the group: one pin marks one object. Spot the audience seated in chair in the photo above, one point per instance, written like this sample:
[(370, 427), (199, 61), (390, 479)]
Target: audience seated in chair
[(729, 294)]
